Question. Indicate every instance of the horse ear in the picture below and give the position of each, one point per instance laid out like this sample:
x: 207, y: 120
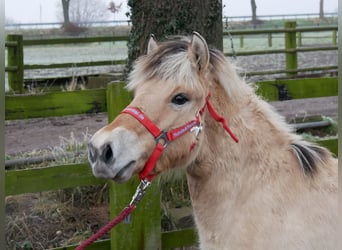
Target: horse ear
x: 199, y: 50
x: 152, y: 44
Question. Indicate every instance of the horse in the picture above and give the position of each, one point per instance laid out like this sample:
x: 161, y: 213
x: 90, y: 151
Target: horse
x: 253, y: 182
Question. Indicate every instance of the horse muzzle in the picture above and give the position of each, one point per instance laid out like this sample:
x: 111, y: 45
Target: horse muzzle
x: 114, y: 154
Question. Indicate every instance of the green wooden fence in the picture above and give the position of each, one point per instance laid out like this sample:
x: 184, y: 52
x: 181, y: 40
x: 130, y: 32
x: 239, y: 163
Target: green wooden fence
x: 144, y: 231
x: 16, y: 67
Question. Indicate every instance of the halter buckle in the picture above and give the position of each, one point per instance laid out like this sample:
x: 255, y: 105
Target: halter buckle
x: 197, y: 129
x: 163, y: 139
x: 140, y: 192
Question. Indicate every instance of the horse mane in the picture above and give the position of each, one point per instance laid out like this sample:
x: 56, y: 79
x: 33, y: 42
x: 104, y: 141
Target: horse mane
x: 309, y: 156
x: 170, y: 64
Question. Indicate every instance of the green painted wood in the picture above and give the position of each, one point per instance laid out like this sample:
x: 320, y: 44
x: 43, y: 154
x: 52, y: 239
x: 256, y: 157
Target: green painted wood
x: 75, y: 64
x: 299, y: 88
x: 269, y: 39
x: 279, y: 71
x: 55, y: 104
x: 311, y: 49
x: 280, y: 51
x: 118, y: 98
x: 181, y: 238
x: 49, y: 178
x: 238, y: 32
x: 334, y: 37
x: 11, y: 69
x: 290, y: 43
x: 15, y: 58
x: 144, y: 230
x: 331, y: 144
x: 98, y: 245
x: 71, y: 40
x: 299, y: 37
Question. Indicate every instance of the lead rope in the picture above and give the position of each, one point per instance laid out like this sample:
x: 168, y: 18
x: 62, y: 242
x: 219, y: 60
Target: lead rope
x: 138, y: 195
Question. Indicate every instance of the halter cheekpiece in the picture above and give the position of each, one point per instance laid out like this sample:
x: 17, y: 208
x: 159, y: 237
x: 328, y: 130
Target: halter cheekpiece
x: 163, y: 138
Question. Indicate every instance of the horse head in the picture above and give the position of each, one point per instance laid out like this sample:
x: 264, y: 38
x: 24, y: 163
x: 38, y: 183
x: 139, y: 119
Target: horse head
x: 162, y: 124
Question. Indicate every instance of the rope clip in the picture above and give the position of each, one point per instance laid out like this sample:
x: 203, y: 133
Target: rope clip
x: 140, y: 192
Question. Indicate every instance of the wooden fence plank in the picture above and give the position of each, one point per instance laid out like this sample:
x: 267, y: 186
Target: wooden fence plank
x: 181, y: 238
x: 299, y: 88
x: 49, y: 178
x: 98, y: 245
x: 291, y: 43
x: 71, y: 40
x: 145, y: 226
x: 75, y: 64
x: 93, y: 101
x: 55, y: 104
x: 331, y: 144
x: 15, y: 58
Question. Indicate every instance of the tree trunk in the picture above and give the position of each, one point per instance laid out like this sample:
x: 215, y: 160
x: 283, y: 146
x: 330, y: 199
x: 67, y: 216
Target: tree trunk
x: 173, y: 17
x: 321, y: 9
x: 254, y: 8
x: 65, y: 5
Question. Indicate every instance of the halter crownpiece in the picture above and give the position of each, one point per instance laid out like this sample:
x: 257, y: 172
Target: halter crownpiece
x: 163, y: 138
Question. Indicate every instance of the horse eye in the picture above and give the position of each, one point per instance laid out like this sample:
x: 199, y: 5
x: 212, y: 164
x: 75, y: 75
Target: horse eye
x: 179, y: 99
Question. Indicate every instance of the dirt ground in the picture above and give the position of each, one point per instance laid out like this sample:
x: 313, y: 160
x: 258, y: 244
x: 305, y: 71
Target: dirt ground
x: 37, y: 134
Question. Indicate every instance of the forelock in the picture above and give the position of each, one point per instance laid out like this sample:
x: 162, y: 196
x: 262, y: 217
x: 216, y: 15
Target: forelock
x: 170, y: 62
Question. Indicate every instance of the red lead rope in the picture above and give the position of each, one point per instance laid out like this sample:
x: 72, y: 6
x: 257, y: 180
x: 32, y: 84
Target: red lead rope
x: 124, y: 213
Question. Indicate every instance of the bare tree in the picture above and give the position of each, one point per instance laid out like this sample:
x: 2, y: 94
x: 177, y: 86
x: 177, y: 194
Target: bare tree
x: 83, y: 12
x: 321, y: 9
x: 254, y: 8
x: 113, y: 7
x: 66, y: 18
x: 173, y: 17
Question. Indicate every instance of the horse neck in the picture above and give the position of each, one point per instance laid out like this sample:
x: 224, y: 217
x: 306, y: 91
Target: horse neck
x: 235, y: 166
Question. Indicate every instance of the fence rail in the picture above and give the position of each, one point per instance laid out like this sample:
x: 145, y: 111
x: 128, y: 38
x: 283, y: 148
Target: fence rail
x: 16, y: 66
x: 145, y: 228
x: 127, y: 21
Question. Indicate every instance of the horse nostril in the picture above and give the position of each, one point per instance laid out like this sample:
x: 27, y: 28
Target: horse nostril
x: 107, y: 154
x: 92, y: 153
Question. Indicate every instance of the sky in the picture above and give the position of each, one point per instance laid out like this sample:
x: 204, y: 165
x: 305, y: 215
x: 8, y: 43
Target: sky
x: 37, y: 11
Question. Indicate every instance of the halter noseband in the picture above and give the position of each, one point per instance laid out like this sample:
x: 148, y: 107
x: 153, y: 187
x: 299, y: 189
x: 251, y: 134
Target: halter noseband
x: 163, y: 138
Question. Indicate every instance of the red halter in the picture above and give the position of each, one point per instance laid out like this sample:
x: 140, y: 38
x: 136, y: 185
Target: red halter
x: 163, y: 138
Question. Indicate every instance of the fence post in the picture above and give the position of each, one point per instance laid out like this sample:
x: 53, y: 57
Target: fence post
x: 334, y: 37
x: 269, y: 39
x: 144, y: 229
x: 299, y: 39
x: 15, y: 60
x: 241, y: 41
x: 291, y: 47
